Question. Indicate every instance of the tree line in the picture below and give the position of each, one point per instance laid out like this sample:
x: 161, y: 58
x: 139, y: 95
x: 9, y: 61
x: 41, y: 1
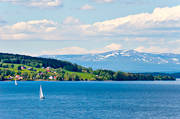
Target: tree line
x: 62, y: 70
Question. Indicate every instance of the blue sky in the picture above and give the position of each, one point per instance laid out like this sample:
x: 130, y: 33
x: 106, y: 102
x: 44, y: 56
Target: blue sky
x: 37, y: 27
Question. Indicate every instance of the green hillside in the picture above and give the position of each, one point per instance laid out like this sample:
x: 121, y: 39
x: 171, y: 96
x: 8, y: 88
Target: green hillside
x: 21, y: 67
x: 39, y: 62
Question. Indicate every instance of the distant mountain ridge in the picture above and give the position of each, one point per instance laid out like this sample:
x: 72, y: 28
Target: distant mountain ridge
x: 22, y: 67
x: 126, y: 60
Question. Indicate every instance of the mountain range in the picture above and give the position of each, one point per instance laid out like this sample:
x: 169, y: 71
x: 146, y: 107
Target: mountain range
x: 126, y: 60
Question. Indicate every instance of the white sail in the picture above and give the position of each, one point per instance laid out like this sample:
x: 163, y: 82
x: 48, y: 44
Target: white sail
x: 41, y: 93
x: 15, y: 82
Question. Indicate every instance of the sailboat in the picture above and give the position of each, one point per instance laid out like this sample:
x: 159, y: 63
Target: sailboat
x: 41, y: 93
x: 15, y: 82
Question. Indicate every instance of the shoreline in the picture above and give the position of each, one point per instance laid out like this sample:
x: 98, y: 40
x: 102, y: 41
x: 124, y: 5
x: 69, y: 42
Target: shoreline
x: 84, y: 80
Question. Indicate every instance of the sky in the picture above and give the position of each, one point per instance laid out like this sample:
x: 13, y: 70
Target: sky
x: 55, y: 27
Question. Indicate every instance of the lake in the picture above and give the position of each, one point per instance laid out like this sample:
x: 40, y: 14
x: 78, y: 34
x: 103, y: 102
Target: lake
x: 91, y: 100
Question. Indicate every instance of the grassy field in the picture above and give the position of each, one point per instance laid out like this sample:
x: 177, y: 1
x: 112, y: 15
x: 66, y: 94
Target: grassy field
x: 81, y: 75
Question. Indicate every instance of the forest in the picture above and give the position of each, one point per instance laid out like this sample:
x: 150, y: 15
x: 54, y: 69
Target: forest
x: 21, y: 67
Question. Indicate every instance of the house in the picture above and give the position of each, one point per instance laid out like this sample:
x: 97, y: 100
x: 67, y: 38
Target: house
x: 18, y: 77
x: 48, y: 69
x: 51, y: 77
x: 23, y: 67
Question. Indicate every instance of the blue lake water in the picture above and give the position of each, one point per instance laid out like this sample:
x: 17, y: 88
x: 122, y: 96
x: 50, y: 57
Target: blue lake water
x: 91, y: 100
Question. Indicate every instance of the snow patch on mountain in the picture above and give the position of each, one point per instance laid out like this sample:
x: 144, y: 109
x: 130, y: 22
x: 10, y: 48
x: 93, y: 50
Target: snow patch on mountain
x: 128, y: 60
x: 175, y: 59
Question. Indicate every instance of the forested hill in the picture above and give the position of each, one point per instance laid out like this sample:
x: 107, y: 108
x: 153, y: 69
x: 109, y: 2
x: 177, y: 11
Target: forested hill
x: 39, y: 62
x: 21, y: 67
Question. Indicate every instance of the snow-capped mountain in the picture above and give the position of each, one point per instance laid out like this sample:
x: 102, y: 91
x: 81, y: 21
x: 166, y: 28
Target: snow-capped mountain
x: 126, y: 60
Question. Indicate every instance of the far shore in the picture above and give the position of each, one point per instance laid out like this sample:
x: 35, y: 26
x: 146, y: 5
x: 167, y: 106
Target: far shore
x: 86, y: 80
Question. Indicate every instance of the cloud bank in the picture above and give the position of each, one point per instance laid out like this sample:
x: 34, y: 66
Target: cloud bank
x: 36, y: 3
x: 161, y: 23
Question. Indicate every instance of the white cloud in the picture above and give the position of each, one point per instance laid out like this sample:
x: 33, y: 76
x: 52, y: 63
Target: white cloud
x: 70, y: 21
x: 104, y: 1
x: 157, y: 49
x: 36, y: 3
x: 43, y: 29
x: 79, y: 50
x: 37, y: 29
x: 34, y: 26
x: 87, y: 7
x: 46, y: 3
x: 113, y: 46
x: 15, y: 36
x: 151, y: 49
x: 160, y: 21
